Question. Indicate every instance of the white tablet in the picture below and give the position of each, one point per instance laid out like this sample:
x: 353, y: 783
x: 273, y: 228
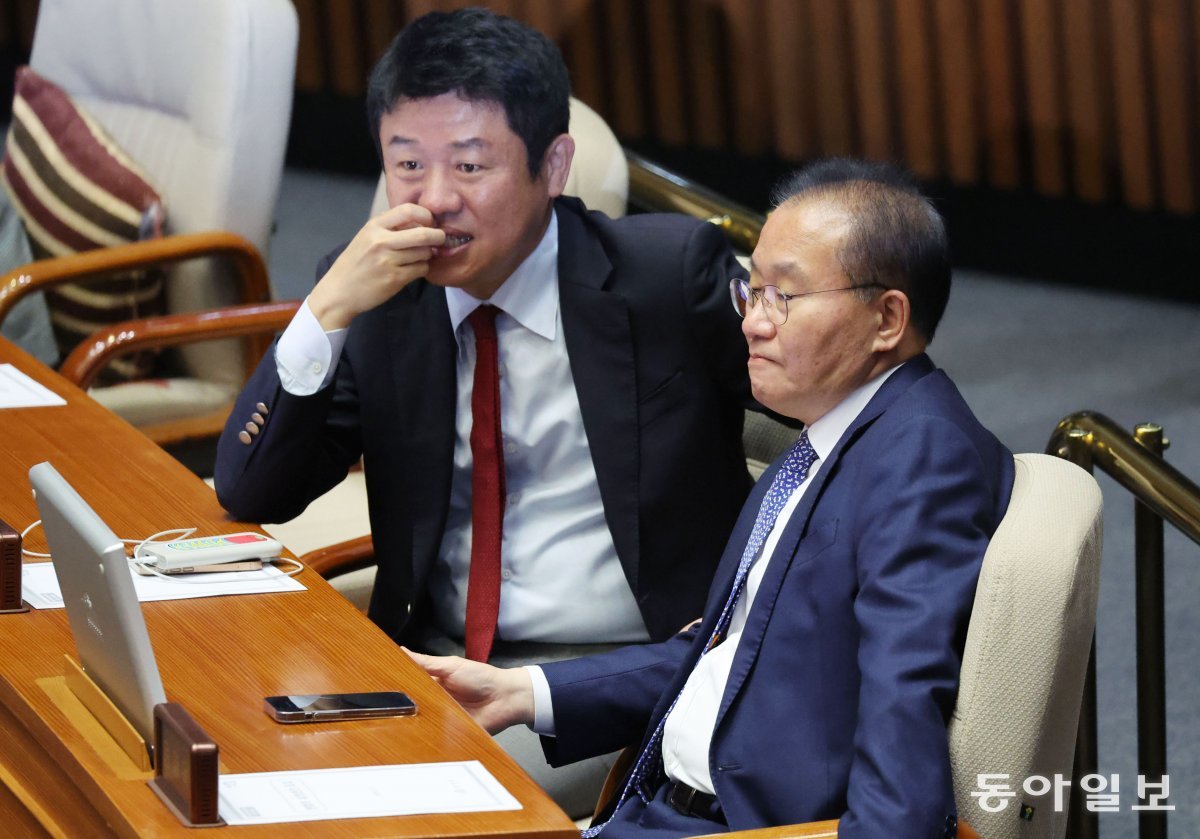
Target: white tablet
x: 102, y: 606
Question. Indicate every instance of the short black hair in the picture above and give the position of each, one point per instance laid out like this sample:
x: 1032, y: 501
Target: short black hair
x: 482, y: 57
x: 897, y: 238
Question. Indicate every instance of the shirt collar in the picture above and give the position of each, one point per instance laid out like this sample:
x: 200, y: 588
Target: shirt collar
x: 825, y: 432
x: 529, y: 295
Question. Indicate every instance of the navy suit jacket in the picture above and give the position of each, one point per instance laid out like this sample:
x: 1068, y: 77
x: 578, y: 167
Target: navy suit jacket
x: 659, y: 364
x: 846, y: 674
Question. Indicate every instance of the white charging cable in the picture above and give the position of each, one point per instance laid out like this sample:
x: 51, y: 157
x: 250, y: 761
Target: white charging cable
x: 177, y: 533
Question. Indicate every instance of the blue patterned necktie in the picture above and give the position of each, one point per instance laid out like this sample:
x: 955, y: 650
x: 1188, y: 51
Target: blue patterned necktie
x: 787, y: 480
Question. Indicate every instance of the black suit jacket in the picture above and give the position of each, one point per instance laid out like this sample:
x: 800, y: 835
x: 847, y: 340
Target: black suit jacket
x: 659, y: 364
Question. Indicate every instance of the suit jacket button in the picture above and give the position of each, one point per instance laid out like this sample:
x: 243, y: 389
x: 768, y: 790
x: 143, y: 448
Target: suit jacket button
x: 245, y: 437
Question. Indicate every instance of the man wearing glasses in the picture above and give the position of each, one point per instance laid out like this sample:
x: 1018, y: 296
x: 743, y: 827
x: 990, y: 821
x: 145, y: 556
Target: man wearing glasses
x: 820, y: 680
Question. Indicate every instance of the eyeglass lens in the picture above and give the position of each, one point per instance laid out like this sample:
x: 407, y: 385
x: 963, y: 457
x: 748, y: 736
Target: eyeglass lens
x: 744, y: 298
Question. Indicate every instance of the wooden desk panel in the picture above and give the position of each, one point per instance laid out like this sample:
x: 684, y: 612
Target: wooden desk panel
x: 218, y: 657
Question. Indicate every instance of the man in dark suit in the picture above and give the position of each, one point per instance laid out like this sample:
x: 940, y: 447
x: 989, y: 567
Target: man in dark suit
x: 526, y: 382
x: 820, y: 681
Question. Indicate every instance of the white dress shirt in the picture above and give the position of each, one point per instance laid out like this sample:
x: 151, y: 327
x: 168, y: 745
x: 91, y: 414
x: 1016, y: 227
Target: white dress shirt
x: 561, y: 581
x: 687, y: 736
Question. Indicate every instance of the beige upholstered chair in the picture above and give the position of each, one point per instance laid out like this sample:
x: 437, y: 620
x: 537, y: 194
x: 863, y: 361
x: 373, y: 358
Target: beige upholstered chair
x: 1026, y: 652
x: 1028, y: 644
x: 199, y: 95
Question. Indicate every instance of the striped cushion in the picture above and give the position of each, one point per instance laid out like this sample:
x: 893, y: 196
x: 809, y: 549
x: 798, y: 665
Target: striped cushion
x: 75, y: 190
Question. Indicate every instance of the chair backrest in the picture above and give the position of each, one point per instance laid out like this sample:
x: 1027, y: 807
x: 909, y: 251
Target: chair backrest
x: 599, y: 172
x: 199, y: 94
x: 1027, y: 646
x: 764, y: 440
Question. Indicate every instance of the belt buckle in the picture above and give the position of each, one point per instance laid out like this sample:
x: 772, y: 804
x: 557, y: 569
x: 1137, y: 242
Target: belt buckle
x: 683, y: 797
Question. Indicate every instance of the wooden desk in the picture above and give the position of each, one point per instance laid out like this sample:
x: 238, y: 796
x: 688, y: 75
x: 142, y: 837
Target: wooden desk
x: 218, y: 656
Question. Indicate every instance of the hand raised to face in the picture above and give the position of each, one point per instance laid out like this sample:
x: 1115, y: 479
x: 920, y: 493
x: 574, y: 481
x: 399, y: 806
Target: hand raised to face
x: 389, y: 252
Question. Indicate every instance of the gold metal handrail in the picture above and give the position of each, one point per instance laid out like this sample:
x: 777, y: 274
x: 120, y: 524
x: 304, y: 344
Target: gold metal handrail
x: 1156, y: 483
x: 1162, y: 493
x: 652, y: 187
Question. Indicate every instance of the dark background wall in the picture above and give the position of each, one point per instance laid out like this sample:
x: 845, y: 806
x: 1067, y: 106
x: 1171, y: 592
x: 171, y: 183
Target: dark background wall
x: 1059, y: 136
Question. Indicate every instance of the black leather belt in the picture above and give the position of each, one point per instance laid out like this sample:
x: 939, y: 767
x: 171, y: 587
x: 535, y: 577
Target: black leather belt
x: 691, y: 802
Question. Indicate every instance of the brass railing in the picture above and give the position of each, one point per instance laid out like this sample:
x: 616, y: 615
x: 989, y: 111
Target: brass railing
x: 652, y: 187
x: 1161, y: 493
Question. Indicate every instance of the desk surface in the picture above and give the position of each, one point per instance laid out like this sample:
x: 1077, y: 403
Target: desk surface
x: 218, y: 657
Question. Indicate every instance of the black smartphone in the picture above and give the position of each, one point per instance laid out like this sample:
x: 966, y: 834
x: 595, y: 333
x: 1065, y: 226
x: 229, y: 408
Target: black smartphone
x: 339, y: 706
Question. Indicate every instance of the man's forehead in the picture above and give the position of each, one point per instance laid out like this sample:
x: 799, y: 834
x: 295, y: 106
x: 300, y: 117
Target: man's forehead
x: 447, y: 112
x: 795, y: 233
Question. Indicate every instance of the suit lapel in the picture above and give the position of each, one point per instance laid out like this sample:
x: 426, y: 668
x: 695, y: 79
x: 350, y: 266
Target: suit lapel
x: 424, y: 352
x: 599, y: 341
x: 791, y: 546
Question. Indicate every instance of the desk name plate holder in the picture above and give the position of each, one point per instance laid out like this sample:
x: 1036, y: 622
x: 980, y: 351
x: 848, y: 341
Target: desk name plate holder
x: 186, y: 767
x: 10, y: 571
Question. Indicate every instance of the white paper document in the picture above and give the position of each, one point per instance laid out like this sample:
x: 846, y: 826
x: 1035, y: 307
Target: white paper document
x: 19, y: 391
x: 362, y: 792
x: 39, y: 585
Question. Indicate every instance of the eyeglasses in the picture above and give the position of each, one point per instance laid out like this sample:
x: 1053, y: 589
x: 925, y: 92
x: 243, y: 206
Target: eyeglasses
x: 775, y: 301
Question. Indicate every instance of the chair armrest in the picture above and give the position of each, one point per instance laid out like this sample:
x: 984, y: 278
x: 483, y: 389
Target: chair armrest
x: 810, y: 830
x: 87, y: 360
x: 43, y: 273
x: 341, y: 558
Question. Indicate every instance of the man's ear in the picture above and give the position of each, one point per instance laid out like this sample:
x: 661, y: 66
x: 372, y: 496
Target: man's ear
x: 894, y: 312
x: 556, y: 164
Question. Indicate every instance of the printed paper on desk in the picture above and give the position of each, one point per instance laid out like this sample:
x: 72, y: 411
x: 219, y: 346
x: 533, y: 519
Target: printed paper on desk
x: 39, y: 585
x: 20, y: 391
x: 362, y: 792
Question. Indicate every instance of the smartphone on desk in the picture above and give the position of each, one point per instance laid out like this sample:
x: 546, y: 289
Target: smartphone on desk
x: 328, y: 707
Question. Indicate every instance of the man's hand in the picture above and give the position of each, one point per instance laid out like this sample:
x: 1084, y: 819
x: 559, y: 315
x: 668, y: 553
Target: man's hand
x: 494, y: 697
x: 389, y: 252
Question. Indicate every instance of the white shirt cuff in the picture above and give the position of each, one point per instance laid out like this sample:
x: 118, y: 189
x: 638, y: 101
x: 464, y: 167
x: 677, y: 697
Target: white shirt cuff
x: 543, y: 707
x: 303, y: 356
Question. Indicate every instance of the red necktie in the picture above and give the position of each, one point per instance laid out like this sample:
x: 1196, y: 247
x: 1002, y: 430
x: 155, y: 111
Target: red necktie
x: 487, y: 488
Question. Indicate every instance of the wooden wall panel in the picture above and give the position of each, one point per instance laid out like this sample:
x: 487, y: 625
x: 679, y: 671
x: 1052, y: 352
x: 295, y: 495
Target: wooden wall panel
x: 1173, y: 94
x: 998, y: 92
x: 310, y: 51
x: 1039, y: 54
x: 912, y: 31
x: 1088, y: 115
x: 705, y: 64
x: 791, y: 80
x: 834, y: 92
x: 582, y: 51
x: 623, y: 70
x: 670, y: 122
x: 750, y: 109
x: 874, y: 92
x: 382, y: 20
x: 347, y: 56
x: 1095, y: 100
x: 957, y: 82
x: 1131, y: 97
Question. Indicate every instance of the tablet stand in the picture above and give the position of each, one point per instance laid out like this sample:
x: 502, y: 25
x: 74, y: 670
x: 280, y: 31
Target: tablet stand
x: 107, y: 714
